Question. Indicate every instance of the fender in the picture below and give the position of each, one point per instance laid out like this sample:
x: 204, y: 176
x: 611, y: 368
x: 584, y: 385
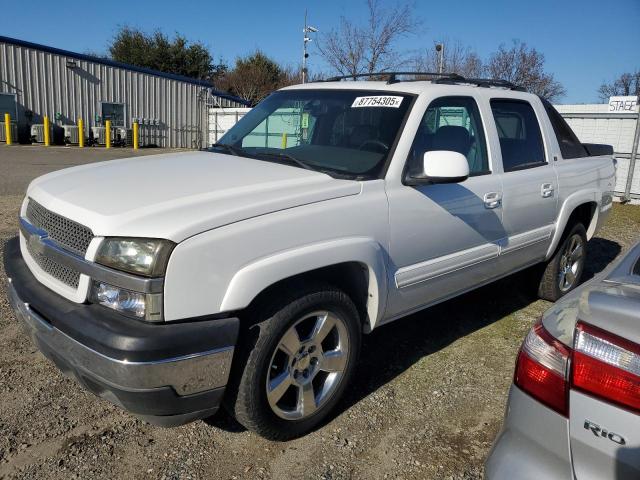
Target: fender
x: 253, y: 278
x: 567, y: 208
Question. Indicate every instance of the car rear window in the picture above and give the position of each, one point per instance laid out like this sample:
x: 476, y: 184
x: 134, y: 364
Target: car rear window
x: 636, y: 269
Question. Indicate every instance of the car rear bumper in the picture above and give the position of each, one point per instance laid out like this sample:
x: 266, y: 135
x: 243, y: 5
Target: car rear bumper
x: 167, y: 374
x: 533, y: 443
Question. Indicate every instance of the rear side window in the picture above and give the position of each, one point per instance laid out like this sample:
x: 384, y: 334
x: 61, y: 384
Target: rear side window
x: 570, y: 146
x: 519, y: 132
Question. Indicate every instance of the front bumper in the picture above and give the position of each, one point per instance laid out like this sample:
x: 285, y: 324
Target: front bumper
x: 168, y: 373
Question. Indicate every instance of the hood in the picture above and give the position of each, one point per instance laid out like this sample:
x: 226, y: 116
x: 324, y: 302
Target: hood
x: 178, y: 195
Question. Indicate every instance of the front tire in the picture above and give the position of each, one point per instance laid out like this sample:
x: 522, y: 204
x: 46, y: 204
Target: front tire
x: 564, y: 270
x: 297, y: 366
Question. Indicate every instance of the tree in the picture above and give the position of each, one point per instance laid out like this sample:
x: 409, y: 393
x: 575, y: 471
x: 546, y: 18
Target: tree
x: 158, y: 52
x: 370, y: 47
x: 255, y: 76
x: 625, y: 84
x: 457, y: 59
x: 524, y: 66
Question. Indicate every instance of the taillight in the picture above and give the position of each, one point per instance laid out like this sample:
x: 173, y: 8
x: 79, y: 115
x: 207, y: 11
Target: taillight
x: 541, y: 369
x: 606, y: 366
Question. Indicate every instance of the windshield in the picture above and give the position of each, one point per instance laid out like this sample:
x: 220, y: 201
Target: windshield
x: 344, y: 132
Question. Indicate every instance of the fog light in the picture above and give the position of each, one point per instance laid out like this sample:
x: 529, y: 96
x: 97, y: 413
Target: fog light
x: 134, y: 304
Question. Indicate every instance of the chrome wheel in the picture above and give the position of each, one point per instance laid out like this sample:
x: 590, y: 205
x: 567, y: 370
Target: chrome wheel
x: 307, y: 365
x: 571, y: 263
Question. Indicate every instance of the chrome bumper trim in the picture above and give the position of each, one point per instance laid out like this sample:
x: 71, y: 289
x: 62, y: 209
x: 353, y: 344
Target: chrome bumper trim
x: 40, y: 242
x: 186, y: 374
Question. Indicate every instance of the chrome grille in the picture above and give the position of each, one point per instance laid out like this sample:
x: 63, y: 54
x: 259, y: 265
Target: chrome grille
x: 64, y: 274
x: 66, y: 233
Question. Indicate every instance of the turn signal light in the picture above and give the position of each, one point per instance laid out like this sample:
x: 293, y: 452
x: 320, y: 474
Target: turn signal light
x: 541, y: 369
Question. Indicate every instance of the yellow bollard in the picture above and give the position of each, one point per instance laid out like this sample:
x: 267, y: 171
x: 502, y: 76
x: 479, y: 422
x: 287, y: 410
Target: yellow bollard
x: 47, y: 136
x: 136, y: 140
x: 284, y: 140
x: 7, y: 127
x: 107, y: 133
x: 80, y: 133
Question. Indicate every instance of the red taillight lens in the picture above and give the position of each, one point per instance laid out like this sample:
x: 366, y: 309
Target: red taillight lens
x: 606, y: 366
x: 541, y: 369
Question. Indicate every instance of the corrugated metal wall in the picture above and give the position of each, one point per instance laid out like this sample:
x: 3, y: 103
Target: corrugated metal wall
x: 593, y: 123
x: 45, y: 85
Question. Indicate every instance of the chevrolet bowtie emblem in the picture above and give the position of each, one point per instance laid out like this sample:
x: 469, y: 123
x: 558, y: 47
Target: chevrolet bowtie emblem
x: 35, y: 242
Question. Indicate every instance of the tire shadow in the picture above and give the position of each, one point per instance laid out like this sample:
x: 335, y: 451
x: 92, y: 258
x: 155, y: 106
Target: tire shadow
x: 600, y: 253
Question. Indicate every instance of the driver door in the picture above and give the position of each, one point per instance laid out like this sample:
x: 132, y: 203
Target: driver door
x: 444, y: 237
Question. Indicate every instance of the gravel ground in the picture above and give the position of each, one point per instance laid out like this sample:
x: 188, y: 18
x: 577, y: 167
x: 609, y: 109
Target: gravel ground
x: 428, y: 399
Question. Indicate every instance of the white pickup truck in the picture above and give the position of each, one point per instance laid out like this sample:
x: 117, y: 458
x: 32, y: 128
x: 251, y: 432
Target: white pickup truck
x: 245, y: 275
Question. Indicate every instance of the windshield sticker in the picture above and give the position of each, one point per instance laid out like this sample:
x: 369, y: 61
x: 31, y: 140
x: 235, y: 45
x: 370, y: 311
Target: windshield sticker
x: 377, y: 101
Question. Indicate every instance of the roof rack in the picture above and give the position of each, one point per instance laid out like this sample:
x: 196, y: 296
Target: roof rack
x: 442, y: 78
x: 392, y: 76
x: 483, y: 82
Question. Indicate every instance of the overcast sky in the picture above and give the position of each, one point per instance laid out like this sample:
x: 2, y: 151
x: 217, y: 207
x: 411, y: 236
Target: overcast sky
x: 585, y: 42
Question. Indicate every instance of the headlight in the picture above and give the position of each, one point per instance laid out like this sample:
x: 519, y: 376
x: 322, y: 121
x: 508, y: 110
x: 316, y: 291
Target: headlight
x: 142, y: 256
x: 133, y: 304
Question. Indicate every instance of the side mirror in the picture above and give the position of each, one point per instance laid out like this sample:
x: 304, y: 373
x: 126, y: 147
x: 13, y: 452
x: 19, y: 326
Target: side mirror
x: 443, y: 166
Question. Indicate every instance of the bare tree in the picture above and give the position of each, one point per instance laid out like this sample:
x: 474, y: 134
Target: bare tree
x: 524, y: 66
x: 353, y: 48
x: 458, y: 59
x: 625, y: 84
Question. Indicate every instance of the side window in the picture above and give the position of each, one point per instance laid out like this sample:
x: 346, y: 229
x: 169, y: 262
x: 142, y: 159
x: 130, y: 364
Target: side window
x: 452, y: 123
x: 519, y: 133
x: 570, y: 146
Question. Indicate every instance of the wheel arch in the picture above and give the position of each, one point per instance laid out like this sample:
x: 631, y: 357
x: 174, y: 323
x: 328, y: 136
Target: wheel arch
x: 580, y: 207
x: 355, y: 265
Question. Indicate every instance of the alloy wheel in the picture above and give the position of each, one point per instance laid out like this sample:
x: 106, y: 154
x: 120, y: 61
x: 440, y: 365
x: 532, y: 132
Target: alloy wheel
x: 571, y: 263
x: 307, y: 365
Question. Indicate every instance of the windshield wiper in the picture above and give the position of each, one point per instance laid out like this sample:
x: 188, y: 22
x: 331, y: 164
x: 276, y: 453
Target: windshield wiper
x: 229, y: 148
x: 289, y: 157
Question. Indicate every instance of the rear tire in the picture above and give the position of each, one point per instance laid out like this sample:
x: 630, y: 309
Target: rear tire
x: 563, y: 271
x: 298, y: 357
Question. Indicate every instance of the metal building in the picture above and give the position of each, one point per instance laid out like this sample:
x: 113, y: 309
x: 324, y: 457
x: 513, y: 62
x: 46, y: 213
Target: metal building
x: 36, y: 80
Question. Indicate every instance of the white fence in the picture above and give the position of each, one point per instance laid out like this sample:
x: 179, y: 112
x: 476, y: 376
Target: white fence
x: 221, y: 120
x: 592, y: 123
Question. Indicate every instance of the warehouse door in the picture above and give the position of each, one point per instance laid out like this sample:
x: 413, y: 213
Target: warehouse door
x: 8, y: 104
x: 113, y: 112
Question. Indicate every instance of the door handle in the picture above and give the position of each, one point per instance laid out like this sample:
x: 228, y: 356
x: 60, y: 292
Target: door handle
x: 492, y: 199
x: 546, y: 190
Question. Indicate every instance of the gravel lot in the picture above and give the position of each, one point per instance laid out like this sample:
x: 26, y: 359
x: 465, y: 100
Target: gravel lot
x: 428, y: 399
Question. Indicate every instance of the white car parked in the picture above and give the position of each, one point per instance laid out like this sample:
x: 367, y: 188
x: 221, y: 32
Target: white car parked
x: 247, y: 273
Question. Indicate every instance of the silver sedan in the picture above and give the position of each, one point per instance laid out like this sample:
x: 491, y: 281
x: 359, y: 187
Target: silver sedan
x: 574, y: 406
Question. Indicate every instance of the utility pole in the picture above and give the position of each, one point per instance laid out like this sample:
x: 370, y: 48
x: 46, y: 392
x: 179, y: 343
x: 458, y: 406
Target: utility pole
x: 440, y: 50
x: 632, y: 159
x: 306, y: 39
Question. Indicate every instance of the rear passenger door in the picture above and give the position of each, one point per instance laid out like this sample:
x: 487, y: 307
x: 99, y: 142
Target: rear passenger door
x: 529, y: 182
